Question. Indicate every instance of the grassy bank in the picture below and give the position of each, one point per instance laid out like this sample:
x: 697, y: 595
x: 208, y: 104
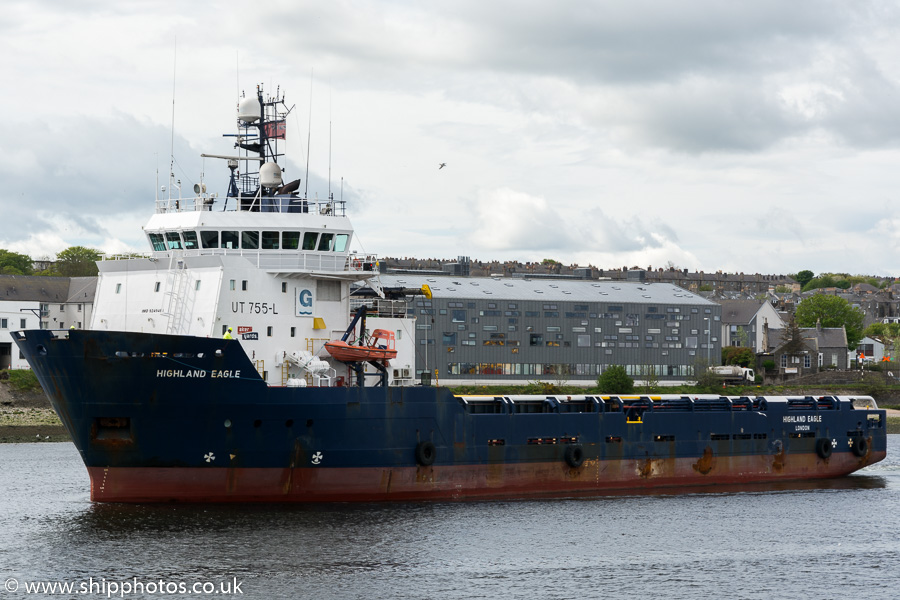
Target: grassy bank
x: 893, y: 424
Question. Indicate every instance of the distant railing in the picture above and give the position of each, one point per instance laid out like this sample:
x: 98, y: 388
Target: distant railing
x: 266, y: 204
x: 379, y: 307
x: 278, y: 260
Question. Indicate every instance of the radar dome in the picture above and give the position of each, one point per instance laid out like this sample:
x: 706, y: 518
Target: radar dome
x: 270, y: 175
x: 248, y: 110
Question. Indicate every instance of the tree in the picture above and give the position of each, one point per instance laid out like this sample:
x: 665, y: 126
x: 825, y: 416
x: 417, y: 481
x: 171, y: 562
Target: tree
x: 77, y: 261
x: 832, y: 311
x: 804, y: 277
x: 742, y: 356
x: 742, y: 337
x: 614, y: 380
x: 13, y: 263
x: 650, y: 376
x: 792, y: 338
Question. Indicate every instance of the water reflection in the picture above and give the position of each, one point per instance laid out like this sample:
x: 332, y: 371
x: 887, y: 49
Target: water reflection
x: 711, y: 541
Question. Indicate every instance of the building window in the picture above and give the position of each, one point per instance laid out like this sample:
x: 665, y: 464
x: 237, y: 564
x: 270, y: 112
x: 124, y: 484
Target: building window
x: 196, y: 284
x: 807, y: 362
x: 269, y: 331
x: 4, y: 324
x: 284, y: 287
x: 244, y: 285
x: 783, y: 361
x: 293, y: 331
x: 118, y: 289
x: 231, y: 284
x: 79, y: 308
x: 584, y: 341
x: 156, y: 287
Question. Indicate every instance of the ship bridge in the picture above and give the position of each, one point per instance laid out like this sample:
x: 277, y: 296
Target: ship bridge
x: 283, y: 235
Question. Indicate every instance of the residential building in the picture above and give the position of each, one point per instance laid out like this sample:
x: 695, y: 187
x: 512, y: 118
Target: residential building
x: 742, y: 322
x: 30, y: 302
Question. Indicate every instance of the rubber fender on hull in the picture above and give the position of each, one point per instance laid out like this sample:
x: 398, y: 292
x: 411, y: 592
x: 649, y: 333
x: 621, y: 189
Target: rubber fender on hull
x: 425, y: 453
x: 824, y: 448
x: 860, y: 447
x: 574, y: 455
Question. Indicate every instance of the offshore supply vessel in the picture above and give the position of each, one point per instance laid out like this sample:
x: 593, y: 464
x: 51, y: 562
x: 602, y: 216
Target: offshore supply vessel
x: 225, y: 367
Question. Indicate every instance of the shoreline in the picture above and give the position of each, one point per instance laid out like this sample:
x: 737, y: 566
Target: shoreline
x: 20, y: 434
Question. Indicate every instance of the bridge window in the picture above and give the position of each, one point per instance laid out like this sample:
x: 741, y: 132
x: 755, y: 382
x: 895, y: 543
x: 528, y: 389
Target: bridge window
x: 158, y: 242
x: 173, y: 240
x: 326, y: 241
x: 250, y: 240
x: 270, y: 240
x: 230, y: 240
x: 209, y: 239
x: 190, y: 240
x: 290, y: 240
x: 340, y: 242
x: 309, y: 240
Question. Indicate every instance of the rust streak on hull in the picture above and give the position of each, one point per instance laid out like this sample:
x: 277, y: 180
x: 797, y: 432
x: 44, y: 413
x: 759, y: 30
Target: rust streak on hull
x: 318, y: 484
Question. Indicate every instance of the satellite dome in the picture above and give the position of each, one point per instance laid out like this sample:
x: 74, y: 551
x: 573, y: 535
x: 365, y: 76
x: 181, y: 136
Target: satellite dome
x: 270, y: 175
x: 248, y: 110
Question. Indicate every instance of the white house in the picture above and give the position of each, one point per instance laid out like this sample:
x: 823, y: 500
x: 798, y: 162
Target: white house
x: 28, y: 302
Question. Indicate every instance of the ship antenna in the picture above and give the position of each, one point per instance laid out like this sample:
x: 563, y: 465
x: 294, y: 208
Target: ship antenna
x: 329, y: 160
x: 329, y: 144
x: 172, y: 142
x: 308, y: 135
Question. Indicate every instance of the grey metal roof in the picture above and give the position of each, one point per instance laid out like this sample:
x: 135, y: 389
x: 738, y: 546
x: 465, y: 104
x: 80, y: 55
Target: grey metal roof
x: 34, y: 288
x: 82, y: 289
x: 40, y: 288
x: 739, y: 311
x: 559, y: 290
x: 826, y: 337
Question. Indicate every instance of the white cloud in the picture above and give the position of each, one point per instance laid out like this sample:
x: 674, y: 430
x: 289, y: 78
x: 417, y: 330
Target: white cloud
x: 750, y: 137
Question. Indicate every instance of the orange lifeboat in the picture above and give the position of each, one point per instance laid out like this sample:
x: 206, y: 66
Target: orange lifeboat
x: 380, y: 347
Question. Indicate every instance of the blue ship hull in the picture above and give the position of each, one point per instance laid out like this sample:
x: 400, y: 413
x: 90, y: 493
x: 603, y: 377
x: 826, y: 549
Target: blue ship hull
x: 181, y: 418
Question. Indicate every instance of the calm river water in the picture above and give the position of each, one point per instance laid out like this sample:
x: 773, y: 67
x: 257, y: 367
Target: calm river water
x: 833, y: 539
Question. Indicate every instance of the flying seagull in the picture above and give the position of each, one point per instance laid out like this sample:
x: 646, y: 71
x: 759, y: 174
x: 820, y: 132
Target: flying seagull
x: 441, y: 166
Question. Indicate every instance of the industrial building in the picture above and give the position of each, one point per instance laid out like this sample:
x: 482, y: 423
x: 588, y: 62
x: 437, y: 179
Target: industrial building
x: 481, y: 330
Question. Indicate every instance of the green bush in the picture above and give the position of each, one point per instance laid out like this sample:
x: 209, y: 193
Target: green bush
x: 614, y: 380
x: 22, y: 379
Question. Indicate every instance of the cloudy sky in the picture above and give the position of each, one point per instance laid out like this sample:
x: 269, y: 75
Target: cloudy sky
x: 749, y: 137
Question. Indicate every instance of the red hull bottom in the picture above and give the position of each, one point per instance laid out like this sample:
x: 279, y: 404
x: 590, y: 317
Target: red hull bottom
x: 535, y: 480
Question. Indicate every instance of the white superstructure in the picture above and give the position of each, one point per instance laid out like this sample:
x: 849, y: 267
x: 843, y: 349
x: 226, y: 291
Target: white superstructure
x: 272, y: 266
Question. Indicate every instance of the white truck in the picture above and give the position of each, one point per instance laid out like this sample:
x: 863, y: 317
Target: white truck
x: 733, y: 374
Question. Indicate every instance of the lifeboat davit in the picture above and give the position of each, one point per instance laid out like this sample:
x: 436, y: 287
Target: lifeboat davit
x: 379, y: 348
